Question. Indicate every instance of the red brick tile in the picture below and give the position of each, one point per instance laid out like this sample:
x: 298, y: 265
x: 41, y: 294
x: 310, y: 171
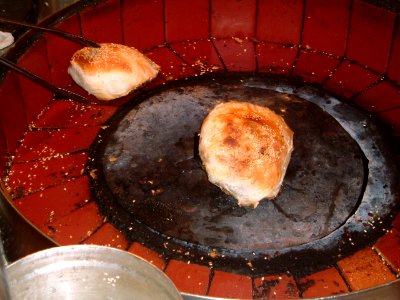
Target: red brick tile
x: 238, y: 19
x: 201, y: 55
x: 314, y: 66
x: 25, y: 178
x: 274, y: 58
x: 229, y: 285
x: 389, y: 247
x: 12, y: 112
x: 370, y: 35
x: 365, y: 269
x: 188, y: 278
x: 35, y: 96
x: 60, y: 50
x: 394, y: 62
x: 326, y: 25
x: 238, y: 55
x: 64, y: 114
x: 53, y: 203
x: 186, y: 20
x: 324, y: 283
x: 102, y: 23
x: 143, y: 23
x: 392, y: 119
x: 46, y: 143
x: 382, y: 96
x: 147, y: 254
x: 276, y: 287
x: 279, y: 21
x: 75, y: 227
x: 108, y: 235
x: 3, y: 153
x: 350, y: 79
x: 172, y: 67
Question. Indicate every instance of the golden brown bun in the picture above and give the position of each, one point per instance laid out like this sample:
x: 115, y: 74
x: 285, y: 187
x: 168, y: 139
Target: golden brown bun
x: 111, y: 71
x: 245, y: 149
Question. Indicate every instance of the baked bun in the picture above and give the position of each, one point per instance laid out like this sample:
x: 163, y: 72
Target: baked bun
x: 245, y: 149
x: 111, y: 71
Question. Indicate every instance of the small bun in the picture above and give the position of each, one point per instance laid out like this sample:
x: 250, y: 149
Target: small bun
x: 245, y: 149
x: 111, y: 71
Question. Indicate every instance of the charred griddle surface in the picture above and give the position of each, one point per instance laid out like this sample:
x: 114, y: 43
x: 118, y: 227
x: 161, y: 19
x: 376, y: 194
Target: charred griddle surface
x: 151, y: 177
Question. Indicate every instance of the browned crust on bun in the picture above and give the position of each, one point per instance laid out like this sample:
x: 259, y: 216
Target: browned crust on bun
x: 245, y: 149
x: 111, y: 71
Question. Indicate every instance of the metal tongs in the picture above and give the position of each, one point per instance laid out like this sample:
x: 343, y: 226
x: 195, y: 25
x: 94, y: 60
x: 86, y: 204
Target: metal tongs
x: 47, y: 85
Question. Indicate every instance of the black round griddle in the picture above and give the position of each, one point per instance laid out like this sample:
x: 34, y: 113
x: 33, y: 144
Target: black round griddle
x: 152, y: 185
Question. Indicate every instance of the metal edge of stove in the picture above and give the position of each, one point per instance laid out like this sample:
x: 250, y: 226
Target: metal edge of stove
x: 389, y: 291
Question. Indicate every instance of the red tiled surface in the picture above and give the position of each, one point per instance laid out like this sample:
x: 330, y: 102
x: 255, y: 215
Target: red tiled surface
x: 46, y: 143
x: 394, y: 62
x: 279, y: 21
x: 276, y: 287
x: 389, y: 247
x: 314, y: 66
x: 275, y: 58
x: 102, y: 23
x: 12, y: 112
x: 229, y: 285
x: 60, y: 51
x: 147, y: 254
x: 188, y: 278
x: 201, y: 55
x: 324, y: 283
x: 53, y: 203
x: 392, y: 118
x: 143, y: 23
x: 326, y: 25
x: 64, y: 114
x: 222, y: 16
x: 365, y: 269
x: 382, y: 96
x: 75, y: 227
x: 35, y: 97
x: 172, y: 67
x: 350, y: 79
x: 238, y: 55
x: 3, y: 153
x: 32, y: 176
x: 186, y: 20
x: 370, y: 35
x: 108, y: 235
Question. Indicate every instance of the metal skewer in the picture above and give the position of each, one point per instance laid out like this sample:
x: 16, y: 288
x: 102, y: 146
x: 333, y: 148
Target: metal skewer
x: 63, y: 34
x: 57, y: 90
